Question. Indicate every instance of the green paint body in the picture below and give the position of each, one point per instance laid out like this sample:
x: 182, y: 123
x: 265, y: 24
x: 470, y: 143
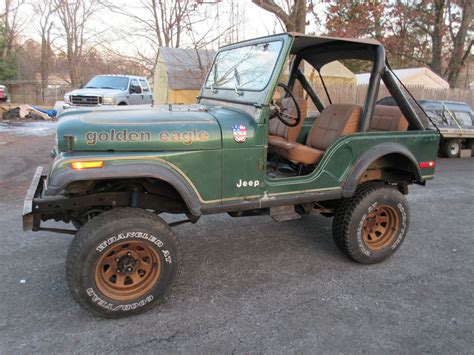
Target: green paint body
x: 198, y: 142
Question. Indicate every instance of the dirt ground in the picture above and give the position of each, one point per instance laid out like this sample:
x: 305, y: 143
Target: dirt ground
x: 251, y: 284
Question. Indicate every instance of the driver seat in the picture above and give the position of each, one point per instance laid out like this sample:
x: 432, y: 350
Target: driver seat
x: 279, y: 133
x: 335, y: 121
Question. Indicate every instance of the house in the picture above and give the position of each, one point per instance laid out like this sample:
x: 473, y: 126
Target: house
x: 422, y: 77
x: 179, y: 74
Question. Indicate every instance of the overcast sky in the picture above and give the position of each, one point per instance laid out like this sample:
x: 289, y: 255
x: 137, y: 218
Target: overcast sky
x: 110, y: 27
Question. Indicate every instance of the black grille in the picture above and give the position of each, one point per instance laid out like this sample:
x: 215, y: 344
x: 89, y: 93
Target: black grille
x: 80, y: 100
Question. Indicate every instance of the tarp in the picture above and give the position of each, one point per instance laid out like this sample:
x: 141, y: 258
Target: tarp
x: 27, y: 112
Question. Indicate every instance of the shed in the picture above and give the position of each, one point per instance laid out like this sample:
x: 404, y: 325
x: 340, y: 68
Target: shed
x: 333, y: 73
x: 423, y: 77
x: 179, y: 74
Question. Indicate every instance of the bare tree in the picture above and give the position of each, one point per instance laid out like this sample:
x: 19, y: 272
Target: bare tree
x: 12, y: 24
x: 166, y: 20
x: 45, y: 11
x: 173, y: 23
x: 74, y: 16
x: 462, y: 44
x: 291, y: 13
x: 448, y: 25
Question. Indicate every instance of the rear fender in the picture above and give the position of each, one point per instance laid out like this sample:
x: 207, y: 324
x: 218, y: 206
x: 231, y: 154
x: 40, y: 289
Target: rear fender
x: 372, y: 155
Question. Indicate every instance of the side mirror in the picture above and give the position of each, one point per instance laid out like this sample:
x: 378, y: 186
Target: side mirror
x: 81, y: 86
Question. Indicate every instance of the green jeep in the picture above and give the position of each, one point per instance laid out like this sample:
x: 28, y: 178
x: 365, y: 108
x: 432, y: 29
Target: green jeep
x: 244, y: 149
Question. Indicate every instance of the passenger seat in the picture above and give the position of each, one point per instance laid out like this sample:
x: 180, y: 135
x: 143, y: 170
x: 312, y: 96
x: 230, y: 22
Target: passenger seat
x: 388, y: 118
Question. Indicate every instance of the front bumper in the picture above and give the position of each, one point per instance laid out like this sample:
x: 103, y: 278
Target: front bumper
x: 31, y: 220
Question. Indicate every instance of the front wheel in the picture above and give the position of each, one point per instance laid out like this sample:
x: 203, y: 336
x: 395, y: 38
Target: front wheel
x: 122, y: 262
x: 371, y: 225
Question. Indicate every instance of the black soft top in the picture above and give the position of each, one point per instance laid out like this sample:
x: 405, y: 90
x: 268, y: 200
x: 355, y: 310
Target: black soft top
x: 320, y: 50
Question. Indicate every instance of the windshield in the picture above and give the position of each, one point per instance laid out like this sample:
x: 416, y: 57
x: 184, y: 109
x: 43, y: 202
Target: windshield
x: 108, y: 82
x: 244, y: 68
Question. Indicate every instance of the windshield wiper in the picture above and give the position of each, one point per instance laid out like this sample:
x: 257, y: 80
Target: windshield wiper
x: 108, y: 87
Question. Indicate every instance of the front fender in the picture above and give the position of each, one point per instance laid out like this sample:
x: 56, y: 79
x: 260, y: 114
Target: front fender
x: 365, y: 160
x: 62, y: 175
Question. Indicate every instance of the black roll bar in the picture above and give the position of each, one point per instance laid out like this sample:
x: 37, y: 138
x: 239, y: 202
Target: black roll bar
x: 309, y: 89
x: 401, y: 100
x: 373, y: 90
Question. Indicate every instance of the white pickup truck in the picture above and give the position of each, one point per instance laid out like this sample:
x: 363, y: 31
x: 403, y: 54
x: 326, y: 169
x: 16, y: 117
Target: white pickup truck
x: 111, y: 90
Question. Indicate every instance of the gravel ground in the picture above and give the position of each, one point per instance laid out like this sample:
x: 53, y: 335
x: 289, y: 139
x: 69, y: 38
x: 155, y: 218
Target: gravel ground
x: 251, y: 284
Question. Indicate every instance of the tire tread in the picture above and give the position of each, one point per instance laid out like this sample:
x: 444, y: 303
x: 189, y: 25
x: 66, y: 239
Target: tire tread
x: 342, y: 218
x: 85, y: 232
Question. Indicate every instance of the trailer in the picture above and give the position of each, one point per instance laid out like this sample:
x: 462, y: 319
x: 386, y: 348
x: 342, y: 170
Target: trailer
x: 453, y: 140
x: 454, y: 121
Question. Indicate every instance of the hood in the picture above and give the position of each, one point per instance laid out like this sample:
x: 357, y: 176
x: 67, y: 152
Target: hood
x: 95, y: 92
x: 161, y: 128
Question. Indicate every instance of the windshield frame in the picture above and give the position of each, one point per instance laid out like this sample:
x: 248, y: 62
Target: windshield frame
x: 225, y: 49
x: 248, y: 97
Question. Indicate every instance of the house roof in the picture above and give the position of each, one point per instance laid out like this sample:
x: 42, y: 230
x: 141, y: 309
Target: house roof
x: 405, y: 75
x: 186, y: 68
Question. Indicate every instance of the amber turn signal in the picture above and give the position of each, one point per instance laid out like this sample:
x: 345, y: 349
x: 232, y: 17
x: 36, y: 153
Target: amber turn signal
x: 79, y: 165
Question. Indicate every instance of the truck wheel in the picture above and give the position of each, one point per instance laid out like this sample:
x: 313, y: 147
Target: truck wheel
x: 452, y: 148
x: 123, y: 262
x: 371, y: 225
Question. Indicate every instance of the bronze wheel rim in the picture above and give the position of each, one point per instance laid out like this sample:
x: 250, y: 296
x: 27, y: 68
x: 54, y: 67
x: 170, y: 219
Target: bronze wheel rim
x: 381, y: 227
x: 127, y: 270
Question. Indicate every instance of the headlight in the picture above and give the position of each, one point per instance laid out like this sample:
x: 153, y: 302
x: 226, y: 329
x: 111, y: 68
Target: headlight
x: 108, y: 101
x: 66, y: 99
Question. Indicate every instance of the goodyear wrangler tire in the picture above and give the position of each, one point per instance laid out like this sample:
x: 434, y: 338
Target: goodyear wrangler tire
x: 370, y: 226
x: 123, y: 262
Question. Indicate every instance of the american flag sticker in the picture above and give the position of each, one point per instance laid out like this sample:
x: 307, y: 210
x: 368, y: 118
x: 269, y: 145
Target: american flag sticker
x: 240, y: 133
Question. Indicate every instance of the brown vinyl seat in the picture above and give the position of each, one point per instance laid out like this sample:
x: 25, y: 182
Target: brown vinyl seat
x: 278, y: 133
x: 387, y: 118
x: 334, y: 121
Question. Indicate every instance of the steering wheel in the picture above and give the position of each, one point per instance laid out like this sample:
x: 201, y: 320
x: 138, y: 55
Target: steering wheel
x: 286, y: 118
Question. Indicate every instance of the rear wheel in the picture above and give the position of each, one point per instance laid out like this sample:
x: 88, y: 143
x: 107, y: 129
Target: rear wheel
x: 370, y: 226
x: 451, y: 148
x: 122, y: 262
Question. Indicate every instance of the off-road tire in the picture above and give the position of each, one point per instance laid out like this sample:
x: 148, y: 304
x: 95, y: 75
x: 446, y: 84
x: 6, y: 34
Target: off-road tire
x: 122, y: 232
x: 350, y: 222
x: 451, y: 148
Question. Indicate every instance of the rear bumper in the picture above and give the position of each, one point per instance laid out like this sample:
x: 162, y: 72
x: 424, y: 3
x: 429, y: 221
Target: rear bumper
x: 30, y: 219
